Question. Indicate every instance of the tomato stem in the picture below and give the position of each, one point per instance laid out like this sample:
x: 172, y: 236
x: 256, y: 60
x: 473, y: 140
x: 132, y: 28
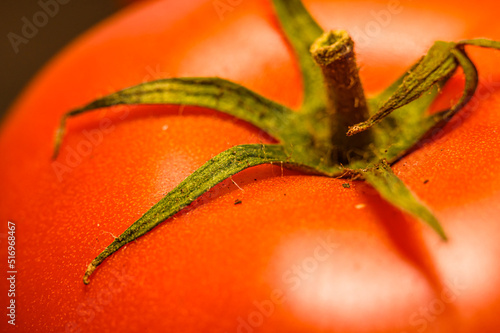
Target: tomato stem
x: 346, y: 101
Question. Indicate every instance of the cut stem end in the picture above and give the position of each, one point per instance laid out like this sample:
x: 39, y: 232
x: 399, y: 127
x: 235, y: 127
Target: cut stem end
x: 346, y: 101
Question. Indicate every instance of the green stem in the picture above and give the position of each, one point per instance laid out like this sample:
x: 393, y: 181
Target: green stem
x: 346, y: 106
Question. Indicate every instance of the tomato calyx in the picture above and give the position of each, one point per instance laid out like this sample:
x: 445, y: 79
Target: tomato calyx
x: 336, y: 132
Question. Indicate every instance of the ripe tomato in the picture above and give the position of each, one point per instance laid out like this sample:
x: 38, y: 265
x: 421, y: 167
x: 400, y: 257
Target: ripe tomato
x: 298, y: 253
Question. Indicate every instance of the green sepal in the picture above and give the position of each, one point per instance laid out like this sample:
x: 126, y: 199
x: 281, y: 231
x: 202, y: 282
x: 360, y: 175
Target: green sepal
x: 436, y: 67
x: 481, y: 42
x: 393, y: 190
x: 471, y: 84
x: 438, y: 64
x: 213, y: 93
x: 401, y: 130
x: 219, y: 168
x: 302, y: 31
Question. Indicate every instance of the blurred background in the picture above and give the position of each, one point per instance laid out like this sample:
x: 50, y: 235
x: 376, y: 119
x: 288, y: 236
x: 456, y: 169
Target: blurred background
x: 24, y: 50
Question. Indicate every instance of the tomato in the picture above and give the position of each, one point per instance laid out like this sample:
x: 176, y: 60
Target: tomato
x: 269, y: 250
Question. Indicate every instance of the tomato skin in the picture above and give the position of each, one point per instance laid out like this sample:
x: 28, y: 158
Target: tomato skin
x: 301, y: 253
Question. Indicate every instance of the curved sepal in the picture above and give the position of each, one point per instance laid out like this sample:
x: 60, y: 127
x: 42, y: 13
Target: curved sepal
x: 210, y: 174
x: 302, y: 31
x: 214, y: 93
x: 392, y: 189
x: 481, y: 42
x: 471, y: 84
x: 437, y: 65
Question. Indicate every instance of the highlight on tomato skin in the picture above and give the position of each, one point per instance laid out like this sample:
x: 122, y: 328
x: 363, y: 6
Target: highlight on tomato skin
x: 300, y: 253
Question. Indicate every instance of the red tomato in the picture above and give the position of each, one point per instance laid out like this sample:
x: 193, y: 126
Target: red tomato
x: 300, y: 253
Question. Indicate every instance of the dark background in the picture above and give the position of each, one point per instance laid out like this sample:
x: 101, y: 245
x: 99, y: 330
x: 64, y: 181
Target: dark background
x: 73, y: 18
